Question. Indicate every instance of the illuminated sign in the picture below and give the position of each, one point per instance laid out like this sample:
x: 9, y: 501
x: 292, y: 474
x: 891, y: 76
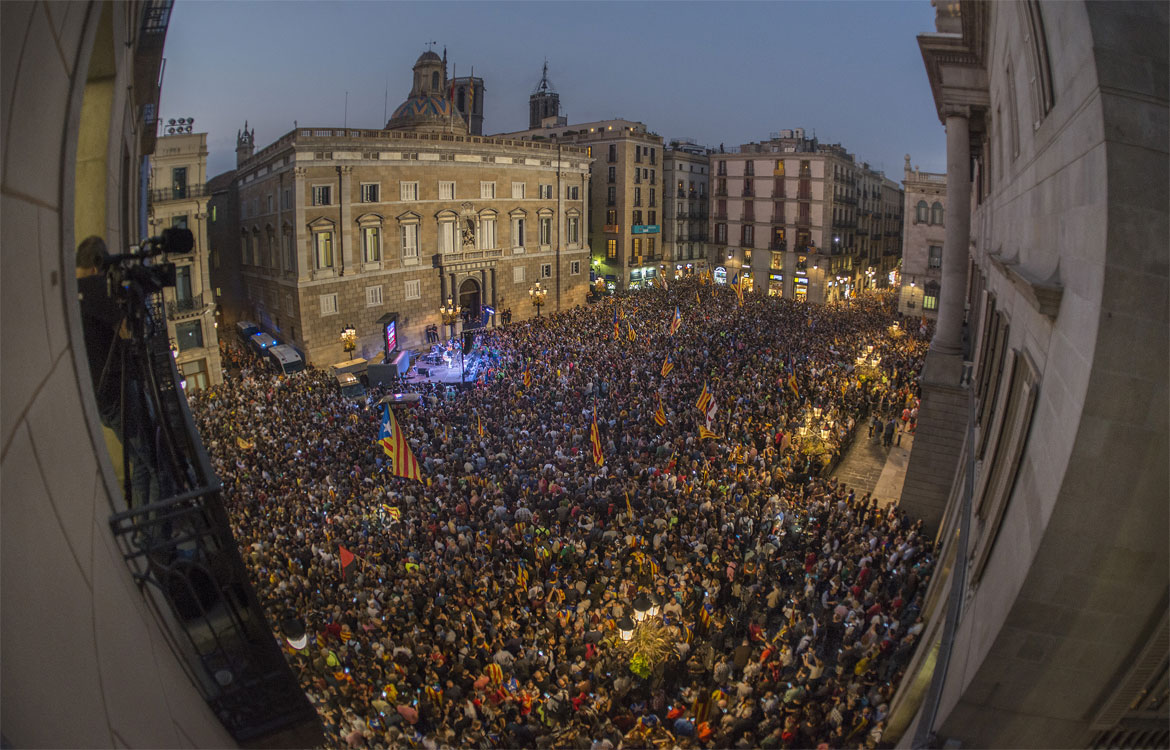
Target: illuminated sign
x: 776, y: 277
x: 644, y: 229
x: 391, y: 335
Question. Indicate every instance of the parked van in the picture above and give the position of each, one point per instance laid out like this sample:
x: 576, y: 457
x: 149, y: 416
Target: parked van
x: 245, y: 329
x: 350, y: 377
x: 260, y: 343
x: 285, y: 359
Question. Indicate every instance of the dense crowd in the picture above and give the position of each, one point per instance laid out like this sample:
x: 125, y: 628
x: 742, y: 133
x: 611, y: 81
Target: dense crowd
x: 483, y: 605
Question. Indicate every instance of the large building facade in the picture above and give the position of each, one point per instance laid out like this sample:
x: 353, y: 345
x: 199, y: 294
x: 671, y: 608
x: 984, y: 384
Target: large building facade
x: 179, y: 198
x: 625, y: 204
x: 801, y: 219
x: 341, y: 227
x: 1040, y: 460
x: 925, y: 230
x: 686, y: 178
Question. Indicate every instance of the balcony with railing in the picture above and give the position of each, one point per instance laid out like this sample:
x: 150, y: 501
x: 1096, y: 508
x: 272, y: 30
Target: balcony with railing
x: 611, y: 228
x: 185, y: 307
x: 186, y: 192
x: 183, y: 558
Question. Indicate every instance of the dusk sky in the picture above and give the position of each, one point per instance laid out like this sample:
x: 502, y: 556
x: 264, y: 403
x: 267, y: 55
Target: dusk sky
x: 726, y: 72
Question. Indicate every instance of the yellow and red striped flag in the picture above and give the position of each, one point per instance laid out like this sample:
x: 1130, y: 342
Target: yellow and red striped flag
x: 660, y: 414
x: 479, y: 425
x: 630, y: 331
x: 595, y: 438
x: 667, y: 365
x: 527, y: 377
x: 704, y: 433
x: 394, y: 443
x: 704, y: 399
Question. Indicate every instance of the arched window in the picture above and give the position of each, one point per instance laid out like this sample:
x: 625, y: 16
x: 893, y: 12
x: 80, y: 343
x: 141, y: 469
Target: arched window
x: 936, y: 213
x: 245, y: 250
x: 408, y: 224
x: 370, y: 231
x: 485, y: 235
x: 448, y: 232
x: 321, y: 231
x: 435, y: 81
x: 922, y: 215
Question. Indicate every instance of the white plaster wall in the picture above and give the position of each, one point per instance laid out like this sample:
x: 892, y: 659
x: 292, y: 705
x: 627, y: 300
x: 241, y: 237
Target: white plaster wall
x: 82, y: 662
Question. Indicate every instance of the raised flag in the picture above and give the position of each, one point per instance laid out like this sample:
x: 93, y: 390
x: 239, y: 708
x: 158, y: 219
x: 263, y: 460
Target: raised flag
x: 704, y: 399
x: 245, y: 445
x: 659, y: 414
x: 667, y: 365
x: 527, y: 377
x: 479, y: 424
x: 704, y: 433
x: 347, y: 559
x: 735, y: 279
x: 394, y: 443
x: 595, y: 438
x: 665, y: 288
x: 676, y: 321
x: 711, y: 409
x: 792, y: 386
x: 629, y: 508
x: 630, y: 331
x: 393, y: 512
x: 697, y: 300
x: 617, y: 331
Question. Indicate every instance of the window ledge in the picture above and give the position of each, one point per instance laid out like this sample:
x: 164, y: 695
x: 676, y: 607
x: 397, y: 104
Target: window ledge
x: 410, y: 261
x: 1044, y: 295
x: 517, y: 251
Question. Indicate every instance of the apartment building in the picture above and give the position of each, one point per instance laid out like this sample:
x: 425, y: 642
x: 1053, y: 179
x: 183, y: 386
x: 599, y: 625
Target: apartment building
x: 785, y: 214
x: 625, y: 204
x: 178, y: 198
x: 686, y: 173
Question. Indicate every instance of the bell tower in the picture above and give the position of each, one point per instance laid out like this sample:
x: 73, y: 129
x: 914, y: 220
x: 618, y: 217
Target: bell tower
x: 245, y: 144
x: 544, y: 102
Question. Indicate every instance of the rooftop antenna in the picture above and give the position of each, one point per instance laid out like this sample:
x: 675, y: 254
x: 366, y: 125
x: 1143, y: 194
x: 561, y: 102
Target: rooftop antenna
x: 345, y: 116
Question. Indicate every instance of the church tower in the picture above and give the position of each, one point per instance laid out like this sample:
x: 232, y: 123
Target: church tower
x: 544, y: 102
x: 245, y: 144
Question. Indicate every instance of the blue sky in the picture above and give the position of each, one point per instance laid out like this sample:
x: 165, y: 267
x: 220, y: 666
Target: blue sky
x: 716, y: 72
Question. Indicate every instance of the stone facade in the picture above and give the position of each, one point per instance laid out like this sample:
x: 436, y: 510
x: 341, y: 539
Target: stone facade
x: 1053, y: 533
x: 921, y: 277
x: 627, y: 197
x: 179, y: 197
x: 686, y: 178
x: 340, y: 227
x: 802, y: 219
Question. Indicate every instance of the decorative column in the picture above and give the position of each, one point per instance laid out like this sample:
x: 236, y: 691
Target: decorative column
x: 948, y: 338
x: 942, y: 417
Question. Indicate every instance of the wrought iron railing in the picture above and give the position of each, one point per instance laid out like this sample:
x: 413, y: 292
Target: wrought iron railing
x: 185, y: 306
x: 186, y: 192
x: 182, y: 554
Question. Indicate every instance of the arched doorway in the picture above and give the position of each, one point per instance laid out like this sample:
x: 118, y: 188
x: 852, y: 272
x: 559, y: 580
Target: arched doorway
x: 469, y: 301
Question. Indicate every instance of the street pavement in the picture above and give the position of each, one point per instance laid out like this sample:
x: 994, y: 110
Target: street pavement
x: 868, y: 467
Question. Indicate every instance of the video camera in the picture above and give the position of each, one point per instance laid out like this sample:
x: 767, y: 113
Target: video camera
x: 133, y: 271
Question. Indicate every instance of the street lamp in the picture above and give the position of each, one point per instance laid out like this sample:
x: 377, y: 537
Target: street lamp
x: 642, y: 607
x: 450, y: 313
x: 348, y: 339
x: 537, y: 294
x: 625, y: 627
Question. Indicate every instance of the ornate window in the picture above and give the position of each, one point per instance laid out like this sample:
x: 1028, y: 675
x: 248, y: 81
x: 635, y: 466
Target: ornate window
x: 408, y: 236
x: 448, y: 232
x: 370, y: 230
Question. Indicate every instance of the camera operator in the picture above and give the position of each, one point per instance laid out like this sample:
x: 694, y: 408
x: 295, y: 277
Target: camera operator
x: 104, y: 326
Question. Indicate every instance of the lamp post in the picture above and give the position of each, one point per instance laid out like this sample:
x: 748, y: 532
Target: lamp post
x: 537, y: 295
x: 348, y: 340
x: 450, y: 313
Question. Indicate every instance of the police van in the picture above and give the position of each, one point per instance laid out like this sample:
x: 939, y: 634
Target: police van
x: 245, y: 329
x: 260, y: 343
x: 285, y: 359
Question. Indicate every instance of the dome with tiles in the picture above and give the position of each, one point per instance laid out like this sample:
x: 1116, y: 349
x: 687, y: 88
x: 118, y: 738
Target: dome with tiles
x: 428, y: 107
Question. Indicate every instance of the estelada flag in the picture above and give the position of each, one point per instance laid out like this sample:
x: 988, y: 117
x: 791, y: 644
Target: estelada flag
x: 676, y: 321
x: 527, y: 378
x: 595, y: 438
x: 792, y: 386
x: 394, y: 443
x: 480, y: 424
x: 704, y: 399
x: 667, y: 365
x: 630, y: 331
x: 659, y: 414
x: 704, y: 433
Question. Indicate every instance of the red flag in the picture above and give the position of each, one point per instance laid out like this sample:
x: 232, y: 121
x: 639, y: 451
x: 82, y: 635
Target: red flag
x: 347, y: 559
